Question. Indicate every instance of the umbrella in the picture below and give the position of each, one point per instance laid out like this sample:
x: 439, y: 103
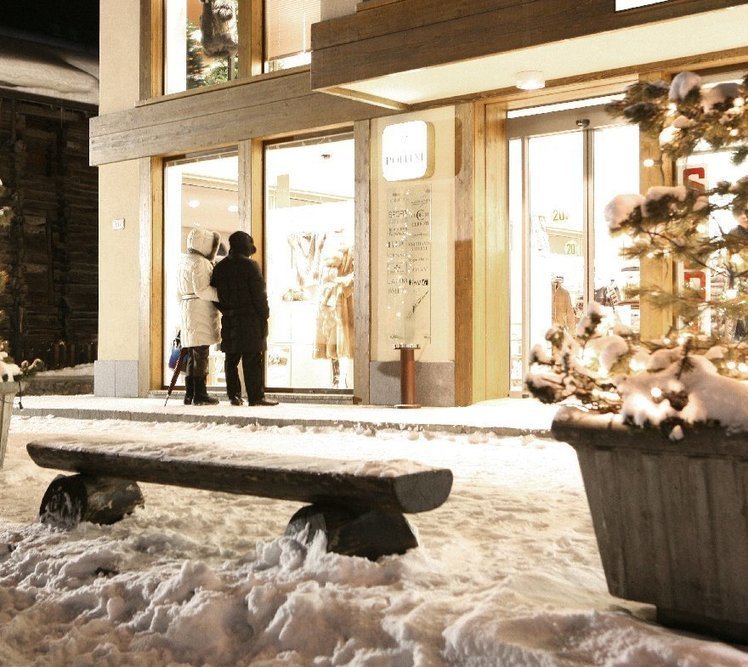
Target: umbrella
x: 177, y: 369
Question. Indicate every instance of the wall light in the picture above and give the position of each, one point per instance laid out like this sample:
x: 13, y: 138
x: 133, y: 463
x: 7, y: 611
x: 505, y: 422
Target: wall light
x: 531, y: 79
x: 650, y: 162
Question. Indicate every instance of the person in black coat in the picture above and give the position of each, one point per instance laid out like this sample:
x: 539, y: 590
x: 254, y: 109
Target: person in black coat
x: 243, y: 303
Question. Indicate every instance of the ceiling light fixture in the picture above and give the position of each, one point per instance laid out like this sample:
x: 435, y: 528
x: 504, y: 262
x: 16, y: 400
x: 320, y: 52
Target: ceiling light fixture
x: 193, y: 203
x: 531, y: 79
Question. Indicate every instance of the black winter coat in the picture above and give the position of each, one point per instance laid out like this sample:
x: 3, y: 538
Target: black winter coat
x: 243, y: 303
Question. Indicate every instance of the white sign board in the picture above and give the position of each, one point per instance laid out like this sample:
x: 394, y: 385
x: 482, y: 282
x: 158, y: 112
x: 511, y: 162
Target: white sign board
x: 408, y: 263
x: 408, y: 151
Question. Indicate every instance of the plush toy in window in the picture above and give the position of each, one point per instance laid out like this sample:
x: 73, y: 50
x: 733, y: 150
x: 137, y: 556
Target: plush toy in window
x: 218, y: 25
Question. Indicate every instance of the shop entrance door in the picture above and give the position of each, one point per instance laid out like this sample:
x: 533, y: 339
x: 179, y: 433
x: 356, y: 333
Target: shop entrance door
x: 564, y: 167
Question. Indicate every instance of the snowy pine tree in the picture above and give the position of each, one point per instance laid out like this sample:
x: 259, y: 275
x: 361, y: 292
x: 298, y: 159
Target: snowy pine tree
x: 597, y: 364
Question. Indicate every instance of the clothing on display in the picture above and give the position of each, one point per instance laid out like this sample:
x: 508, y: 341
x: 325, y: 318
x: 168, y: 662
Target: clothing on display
x: 334, y: 338
x: 306, y: 258
x: 562, y: 311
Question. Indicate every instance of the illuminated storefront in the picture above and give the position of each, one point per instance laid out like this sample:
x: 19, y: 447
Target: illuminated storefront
x: 397, y: 196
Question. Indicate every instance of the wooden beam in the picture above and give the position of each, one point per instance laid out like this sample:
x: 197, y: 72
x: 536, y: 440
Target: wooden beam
x: 152, y: 261
x: 423, y: 33
x: 467, y: 313
x: 497, y: 254
x: 654, y: 321
x: 151, y: 48
x: 221, y: 116
x: 362, y: 264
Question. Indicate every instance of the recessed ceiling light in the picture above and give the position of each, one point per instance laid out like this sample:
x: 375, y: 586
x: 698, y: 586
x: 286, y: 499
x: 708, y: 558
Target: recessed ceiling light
x: 531, y: 79
x: 233, y: 208
x: 193, y: 203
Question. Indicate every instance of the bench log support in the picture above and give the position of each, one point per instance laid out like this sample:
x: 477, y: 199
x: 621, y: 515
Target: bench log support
x: 367, y: 533
x: 75, y: 498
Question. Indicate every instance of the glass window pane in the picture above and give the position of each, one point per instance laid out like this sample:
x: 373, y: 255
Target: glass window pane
x: 557, y: 244
x: 200, y: 43
x: 517, y: 283
x: 288, y: 31
x: 616, y: 171
x: 309, y: 231
x: 202, y: 193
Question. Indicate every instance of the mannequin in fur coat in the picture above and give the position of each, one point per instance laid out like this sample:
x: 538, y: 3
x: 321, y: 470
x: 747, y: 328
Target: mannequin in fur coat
x: 218, y: 25
x: 334, y: 337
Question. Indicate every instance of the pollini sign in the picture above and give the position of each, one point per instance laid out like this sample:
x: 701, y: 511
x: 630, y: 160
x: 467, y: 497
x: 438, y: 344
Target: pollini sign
x: 408, y: 151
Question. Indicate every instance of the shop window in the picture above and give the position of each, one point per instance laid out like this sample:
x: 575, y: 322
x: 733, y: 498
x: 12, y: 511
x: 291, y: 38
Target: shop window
x: 201, y: 43
x: 288, y: 29
x: 197, y: 193
x: 309, y: 231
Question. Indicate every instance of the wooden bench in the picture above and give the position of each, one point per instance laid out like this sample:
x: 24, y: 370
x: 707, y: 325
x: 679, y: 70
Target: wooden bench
x: 358, y: 505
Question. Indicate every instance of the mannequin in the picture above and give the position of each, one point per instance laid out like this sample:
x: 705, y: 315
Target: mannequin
x: 562, y: 312
x: 334, y: 338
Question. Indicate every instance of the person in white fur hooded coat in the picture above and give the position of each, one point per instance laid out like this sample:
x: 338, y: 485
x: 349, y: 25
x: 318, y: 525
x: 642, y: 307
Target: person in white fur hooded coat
x: 200, y: 317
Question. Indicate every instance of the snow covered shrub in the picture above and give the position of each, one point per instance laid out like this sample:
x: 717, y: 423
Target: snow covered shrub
x: 693, y: 374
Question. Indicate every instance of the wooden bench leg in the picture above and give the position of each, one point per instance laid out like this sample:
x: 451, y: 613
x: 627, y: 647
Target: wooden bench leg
x: 75, y: 498
x: 367, y: 533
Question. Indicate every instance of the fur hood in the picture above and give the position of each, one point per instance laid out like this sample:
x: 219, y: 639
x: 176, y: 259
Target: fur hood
x: 204, y: 241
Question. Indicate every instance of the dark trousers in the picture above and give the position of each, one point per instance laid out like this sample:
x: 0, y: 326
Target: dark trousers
x: 253, y: 382
x: 197, y: 361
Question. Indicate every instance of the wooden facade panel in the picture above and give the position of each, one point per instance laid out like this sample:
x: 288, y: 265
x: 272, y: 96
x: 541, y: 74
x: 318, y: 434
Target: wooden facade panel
x: 219, y: 118
x: 427, y: 34
x: 50, y: 249
x: 196, y: 103
x: 362, y: 264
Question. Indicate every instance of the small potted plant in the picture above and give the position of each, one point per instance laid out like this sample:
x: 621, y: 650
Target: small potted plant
x: 11, y: 373
x: 661, y: 426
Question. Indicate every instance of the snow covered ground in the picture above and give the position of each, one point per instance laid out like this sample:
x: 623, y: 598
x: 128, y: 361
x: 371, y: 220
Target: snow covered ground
x: 507, y: 573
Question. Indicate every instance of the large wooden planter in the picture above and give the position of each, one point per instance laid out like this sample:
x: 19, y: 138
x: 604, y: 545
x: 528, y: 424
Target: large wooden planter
x: 671, y: 518
x: 7, y: 394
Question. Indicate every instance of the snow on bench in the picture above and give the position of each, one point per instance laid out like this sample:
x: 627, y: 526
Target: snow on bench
x: 359, y: 505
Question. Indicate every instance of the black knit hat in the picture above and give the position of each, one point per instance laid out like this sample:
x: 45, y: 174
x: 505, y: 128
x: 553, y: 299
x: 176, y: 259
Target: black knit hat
x: 242, y: 244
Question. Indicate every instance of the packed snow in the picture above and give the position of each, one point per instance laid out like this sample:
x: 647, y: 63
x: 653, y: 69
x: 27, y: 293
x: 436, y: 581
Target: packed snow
x: 507, y: 571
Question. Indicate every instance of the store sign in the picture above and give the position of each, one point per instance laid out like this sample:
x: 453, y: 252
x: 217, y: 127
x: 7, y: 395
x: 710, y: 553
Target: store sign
x: 408, y: 151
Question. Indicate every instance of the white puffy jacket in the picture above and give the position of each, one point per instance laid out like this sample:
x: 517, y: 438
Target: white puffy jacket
x: 201, y: 323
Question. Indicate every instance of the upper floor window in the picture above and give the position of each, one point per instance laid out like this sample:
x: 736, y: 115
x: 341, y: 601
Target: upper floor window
x: 288, y: 31
x: 201, y: 43
x: 205, y: 43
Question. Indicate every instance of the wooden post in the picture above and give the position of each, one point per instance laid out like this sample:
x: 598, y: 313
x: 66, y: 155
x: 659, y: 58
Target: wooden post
x: 407, y: 375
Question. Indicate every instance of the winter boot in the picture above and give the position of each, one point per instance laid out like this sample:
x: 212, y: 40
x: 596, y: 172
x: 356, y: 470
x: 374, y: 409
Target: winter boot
x: 201, y: 393
x: 189, y: 390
